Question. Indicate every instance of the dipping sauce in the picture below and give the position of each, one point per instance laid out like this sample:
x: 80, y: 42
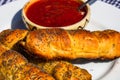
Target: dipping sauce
x: 55, y: 13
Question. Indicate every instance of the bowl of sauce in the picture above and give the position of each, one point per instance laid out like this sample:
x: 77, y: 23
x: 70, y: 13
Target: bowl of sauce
x: 42, y: 14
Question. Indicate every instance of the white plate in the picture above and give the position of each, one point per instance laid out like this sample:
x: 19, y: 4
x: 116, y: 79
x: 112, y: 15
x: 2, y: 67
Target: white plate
x: 103, y: 16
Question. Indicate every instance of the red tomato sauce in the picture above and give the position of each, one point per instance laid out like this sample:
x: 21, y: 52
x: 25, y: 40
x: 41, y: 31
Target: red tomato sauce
x: 54, y: 13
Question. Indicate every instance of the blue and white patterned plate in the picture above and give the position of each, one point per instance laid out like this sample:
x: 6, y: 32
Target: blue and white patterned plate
x: 115, y: 3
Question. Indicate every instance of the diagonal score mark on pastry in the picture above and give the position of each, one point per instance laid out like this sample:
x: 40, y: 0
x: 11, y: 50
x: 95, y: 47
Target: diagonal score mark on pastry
x: 14, y: 66
x: 72, y: 44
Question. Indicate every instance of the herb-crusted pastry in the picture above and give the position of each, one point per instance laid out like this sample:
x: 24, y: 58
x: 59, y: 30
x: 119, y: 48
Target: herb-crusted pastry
x: 72, y: 44
x: 14, y: 66
x: 63, y: 70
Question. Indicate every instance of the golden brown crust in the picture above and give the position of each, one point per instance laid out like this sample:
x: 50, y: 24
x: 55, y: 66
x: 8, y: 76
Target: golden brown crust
x: 58, y: 43
x: 13, y: 66
x: 51, y: 44
x: 10, y: 37
x: 1, y: 76
x: 67, y: 71
x: 48, y: 66
x: 3, y: 33
x: 109, y: 44
x: 31, y: 72
x: 63, y: 70
x: 10, y: 61
x: 3, y: 49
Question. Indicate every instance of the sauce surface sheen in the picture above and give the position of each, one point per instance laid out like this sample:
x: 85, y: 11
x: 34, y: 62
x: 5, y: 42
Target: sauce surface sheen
x: 55, y: 13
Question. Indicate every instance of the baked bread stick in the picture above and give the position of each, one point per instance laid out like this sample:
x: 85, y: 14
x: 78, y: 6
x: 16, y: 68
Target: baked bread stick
x: 73, y: 44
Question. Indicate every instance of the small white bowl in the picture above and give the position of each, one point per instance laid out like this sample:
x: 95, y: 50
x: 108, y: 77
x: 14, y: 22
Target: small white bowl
x: 31, y: 25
